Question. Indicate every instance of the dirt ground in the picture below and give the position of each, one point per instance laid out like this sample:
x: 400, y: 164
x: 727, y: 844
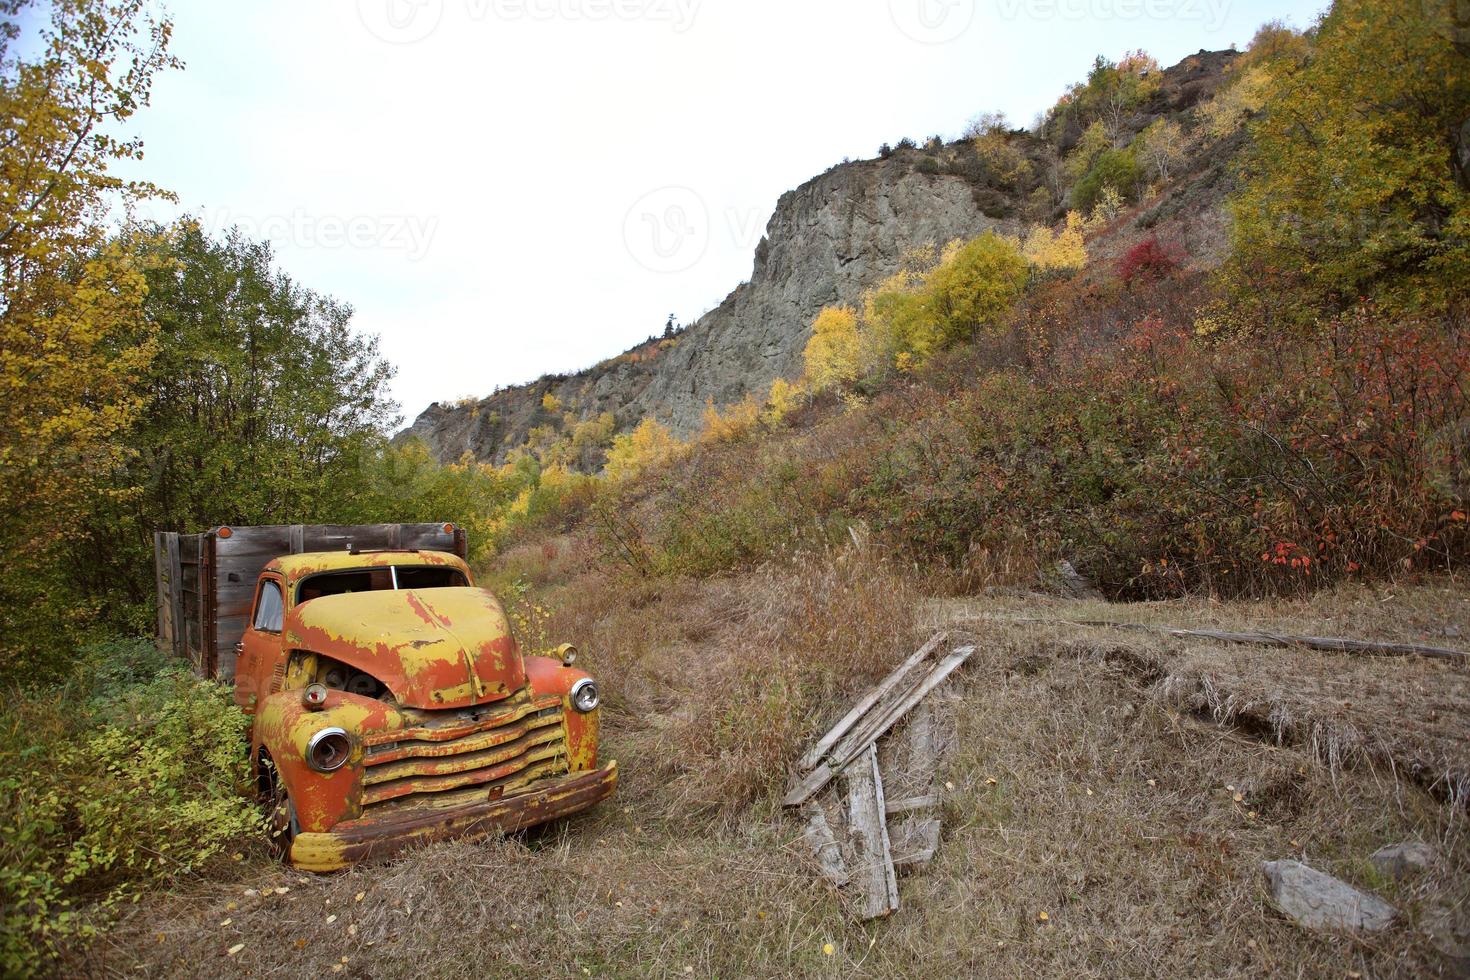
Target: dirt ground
x: 1128, y: 786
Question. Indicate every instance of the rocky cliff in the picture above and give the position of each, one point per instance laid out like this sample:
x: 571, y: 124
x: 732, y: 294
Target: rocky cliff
x: 828, y: 241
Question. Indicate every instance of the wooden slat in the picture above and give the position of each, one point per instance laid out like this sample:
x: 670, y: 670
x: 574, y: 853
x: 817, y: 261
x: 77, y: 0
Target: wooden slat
x: 920, y: 843
x: 926, y: 802
x: 814, y: 755
x: 878, y: 720
x: 823, y: 844
x: 180, y: 630
x: 869, y: 830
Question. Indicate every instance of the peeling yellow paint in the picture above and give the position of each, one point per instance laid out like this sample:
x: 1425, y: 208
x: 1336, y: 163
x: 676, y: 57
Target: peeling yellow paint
x: 471, y: 737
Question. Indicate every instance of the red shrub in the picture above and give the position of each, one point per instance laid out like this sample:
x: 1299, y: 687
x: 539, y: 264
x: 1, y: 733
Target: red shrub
x: 1149, y: 259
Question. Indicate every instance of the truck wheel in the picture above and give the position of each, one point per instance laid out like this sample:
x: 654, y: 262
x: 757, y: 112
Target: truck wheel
x: 282, y: 825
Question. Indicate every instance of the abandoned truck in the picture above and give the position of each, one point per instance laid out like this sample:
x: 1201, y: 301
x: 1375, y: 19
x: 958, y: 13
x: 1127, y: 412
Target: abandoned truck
x: 388, y: 700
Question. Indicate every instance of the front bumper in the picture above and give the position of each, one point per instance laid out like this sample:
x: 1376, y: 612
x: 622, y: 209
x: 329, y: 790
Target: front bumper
x: 358, y: 840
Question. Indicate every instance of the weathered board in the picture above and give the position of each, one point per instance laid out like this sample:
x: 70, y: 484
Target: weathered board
x: 881, y: 715
x: 206, y: 582
x: 824, y: 847
x: 869, y: 830
x: 814, y: 754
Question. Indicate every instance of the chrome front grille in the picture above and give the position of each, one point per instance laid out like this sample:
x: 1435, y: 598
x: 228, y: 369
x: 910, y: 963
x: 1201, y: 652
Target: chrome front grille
x: 452, y: 758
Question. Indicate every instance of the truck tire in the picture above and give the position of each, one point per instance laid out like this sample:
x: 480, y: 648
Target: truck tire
x: 282, y: 826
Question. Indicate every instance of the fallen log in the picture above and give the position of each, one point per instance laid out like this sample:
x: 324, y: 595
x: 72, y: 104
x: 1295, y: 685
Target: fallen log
x: 1331, y: 644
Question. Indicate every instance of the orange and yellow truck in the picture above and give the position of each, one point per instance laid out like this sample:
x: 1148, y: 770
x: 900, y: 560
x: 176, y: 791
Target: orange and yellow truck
x: 389, y: 702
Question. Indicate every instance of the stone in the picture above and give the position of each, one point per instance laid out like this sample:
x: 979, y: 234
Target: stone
x: 1398, y: 860
x: 1320, y: 901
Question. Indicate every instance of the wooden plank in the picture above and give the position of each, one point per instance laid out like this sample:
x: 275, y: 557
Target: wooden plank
x: 180, y: 631
x: 873, y: 726
x: 209, y: 608
x: 920, y: 844
x: 814, y: 755
x: 160, y: 595
x: 823, y: 844
x: 926, y: 802
x: 869, y: 832
x: 923, y: 755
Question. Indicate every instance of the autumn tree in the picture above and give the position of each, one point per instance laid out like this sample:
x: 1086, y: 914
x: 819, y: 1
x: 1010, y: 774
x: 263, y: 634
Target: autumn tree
x: 974, y: 284
x: 262, y: 402
x: 1352, y: 185
x: 832, y: 356
x: 1064, y: 251
x: 1161, y: 147
x: 72, y: 336
x: 649, y: 445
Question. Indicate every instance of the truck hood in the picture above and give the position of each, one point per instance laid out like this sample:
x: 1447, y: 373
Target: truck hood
x: 433, y: 648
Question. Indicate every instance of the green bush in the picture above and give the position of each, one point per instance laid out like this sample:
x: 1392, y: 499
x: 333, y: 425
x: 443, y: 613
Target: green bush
x: 1117, y: 169
x: 131, y: 770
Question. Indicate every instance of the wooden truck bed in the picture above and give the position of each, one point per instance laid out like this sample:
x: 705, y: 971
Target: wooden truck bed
x: 206, y: 582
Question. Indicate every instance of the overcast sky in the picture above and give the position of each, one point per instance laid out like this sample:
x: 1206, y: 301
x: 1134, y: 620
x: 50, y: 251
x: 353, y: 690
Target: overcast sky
x: 507, y: 188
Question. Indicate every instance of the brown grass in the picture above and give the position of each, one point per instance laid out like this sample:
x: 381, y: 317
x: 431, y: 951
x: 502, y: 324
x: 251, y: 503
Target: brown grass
x: 1112, y: 810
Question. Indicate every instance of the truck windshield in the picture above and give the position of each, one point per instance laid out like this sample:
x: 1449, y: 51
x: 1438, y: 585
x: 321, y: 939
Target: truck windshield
x: 379, y: 580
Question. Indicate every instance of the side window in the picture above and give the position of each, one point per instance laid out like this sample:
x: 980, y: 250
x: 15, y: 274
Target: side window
x: 269, y: 609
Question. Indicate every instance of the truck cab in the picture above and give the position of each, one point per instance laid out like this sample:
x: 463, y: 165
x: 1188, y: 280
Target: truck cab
x: 389, y: 703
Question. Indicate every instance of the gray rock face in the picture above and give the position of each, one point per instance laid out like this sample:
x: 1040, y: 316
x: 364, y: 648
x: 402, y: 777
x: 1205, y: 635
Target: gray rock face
x: 1320, y: 901
x: 828, y: 241
x: 1398, y: 860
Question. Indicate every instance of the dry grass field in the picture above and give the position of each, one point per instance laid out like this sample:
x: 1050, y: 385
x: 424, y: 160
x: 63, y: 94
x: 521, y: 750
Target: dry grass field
x: 1110, y: 797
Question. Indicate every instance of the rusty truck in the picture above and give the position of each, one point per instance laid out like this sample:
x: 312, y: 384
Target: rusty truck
x: 388, y: 700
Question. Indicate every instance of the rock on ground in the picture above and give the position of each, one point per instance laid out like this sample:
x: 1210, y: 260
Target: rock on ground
x: 1398, y: 860
x: 1320, y: 901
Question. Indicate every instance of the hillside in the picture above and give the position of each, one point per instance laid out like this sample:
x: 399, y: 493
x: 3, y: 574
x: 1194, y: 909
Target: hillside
x: 1102, y: 817
x: 828, y: 242
x: 1186, y: 397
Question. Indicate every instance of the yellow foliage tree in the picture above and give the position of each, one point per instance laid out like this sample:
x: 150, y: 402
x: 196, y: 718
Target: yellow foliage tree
x: 72, y: 334
x: 649, y: 445
x: 1064, y: 251
x: 1228, y: 111
x: 1357, y: 179
x: 784, y: 399
x: 832, y: 354
x: 1161, y: 147
x: 974, y: 284
x: 737, y: 420
x: 926, y: 306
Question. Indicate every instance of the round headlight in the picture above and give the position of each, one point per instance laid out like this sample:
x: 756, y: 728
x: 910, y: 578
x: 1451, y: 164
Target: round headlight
x: 584, y: 695
x: 328, y: 750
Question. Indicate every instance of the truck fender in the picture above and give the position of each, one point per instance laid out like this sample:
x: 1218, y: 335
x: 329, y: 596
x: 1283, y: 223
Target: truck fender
x: 284, y: 726
x: 549, y: 676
